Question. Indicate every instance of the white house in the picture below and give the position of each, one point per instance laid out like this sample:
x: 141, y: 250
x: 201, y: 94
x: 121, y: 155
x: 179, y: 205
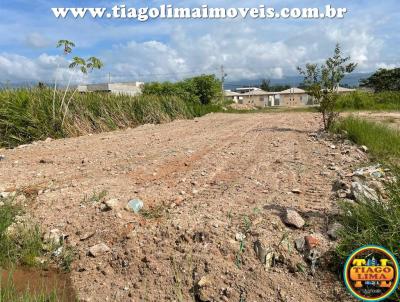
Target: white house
x: 129, y: 88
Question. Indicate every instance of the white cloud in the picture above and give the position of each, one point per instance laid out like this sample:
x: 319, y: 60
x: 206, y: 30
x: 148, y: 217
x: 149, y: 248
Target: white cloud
x: 45, y: 68
x: 169, y: 50
x: 37, y: 40
x: 250, y: 53
x: 363, y: 47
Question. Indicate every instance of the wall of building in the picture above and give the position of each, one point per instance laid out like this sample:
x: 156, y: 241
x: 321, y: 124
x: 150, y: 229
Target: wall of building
x: 133, y: 88
x: 125, y: 89
x: 293, y: 99
x: 255, y: 100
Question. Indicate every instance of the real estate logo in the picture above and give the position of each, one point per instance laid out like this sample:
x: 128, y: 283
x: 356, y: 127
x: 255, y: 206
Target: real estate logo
x: 371, y: 273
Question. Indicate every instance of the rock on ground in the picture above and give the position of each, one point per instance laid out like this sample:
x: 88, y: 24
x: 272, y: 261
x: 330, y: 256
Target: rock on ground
x: 98, y: 249
x: 293, y: 218
x: 333, y: 229
x: 362, y: 192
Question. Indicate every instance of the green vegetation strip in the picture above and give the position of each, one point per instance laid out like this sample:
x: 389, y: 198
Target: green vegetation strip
x: 372, y: 222
x: 26, y: 115
x: 389, y: 100
x: 382, y: 141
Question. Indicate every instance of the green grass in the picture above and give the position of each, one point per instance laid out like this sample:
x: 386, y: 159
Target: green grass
x: 155, y: 212
x: 95, y: 197
x: 8, y: 293
x: 22, y: 248
x: 372, y: 222
x: 383, y: 142
x: 26, y: 115
x: 389, y: 100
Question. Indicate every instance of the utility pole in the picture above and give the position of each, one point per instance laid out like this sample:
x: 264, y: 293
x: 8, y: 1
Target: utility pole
x: 109, y: 77
x: 223, y: 76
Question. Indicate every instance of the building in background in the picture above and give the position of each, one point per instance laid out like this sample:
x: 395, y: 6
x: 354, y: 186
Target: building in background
x: 293, y: 97
x: 344, y: 90
x: 129, y: 88
x: 260, y: 98
x: 234, y: 96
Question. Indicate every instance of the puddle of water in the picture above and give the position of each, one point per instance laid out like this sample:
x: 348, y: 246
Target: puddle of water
x: 40, y: 282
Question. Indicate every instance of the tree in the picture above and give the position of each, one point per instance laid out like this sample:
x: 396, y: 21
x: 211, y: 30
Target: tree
x: 78, y: 63
x: 383, y: 80
x: 94, y: 63
x: 265, y: 84
x: 322, y: 82
x: 279, y: 87
x: 83, y: 66
x: 206, y: 88
x: 67, y: 46
x: 67, y: 49
x: 203, y: 89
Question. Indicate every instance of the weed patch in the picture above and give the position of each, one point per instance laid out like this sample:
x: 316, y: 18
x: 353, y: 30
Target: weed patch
x: 9, y: 293
x: 20, y: 242
x: 96, y: 197
x: 154, y: 212
x: 382, y: 141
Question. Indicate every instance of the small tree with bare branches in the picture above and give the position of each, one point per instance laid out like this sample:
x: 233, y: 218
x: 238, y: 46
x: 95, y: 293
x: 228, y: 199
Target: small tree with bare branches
x: 322, y: 82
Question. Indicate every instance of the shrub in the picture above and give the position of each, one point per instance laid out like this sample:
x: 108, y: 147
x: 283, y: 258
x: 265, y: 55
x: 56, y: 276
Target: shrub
x: 201, y: 89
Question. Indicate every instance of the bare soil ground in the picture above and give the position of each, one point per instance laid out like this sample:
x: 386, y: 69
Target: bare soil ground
x: 202, y: 181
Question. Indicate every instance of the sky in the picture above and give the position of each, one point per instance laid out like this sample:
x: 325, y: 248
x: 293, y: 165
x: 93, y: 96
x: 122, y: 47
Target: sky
x: 160, y: 50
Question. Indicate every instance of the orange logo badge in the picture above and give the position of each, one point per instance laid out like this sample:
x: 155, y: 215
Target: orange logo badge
x: 371, y: 273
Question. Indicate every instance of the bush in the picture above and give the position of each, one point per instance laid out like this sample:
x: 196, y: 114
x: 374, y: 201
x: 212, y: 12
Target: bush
x: 201, y: 89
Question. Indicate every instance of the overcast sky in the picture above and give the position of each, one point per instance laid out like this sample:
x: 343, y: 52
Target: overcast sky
x: 172, y: 49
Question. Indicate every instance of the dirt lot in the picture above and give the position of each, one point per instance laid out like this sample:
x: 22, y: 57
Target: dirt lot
x: 202, y: 182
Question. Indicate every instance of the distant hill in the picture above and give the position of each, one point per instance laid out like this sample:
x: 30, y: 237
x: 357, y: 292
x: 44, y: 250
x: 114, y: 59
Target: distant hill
x: 351, y: 80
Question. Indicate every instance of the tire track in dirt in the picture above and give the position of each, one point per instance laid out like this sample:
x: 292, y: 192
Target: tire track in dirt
x: 241, y: 166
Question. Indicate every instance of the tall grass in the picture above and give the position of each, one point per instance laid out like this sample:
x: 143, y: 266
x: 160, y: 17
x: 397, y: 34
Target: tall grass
x: 9, y: 293
x: 372, y: 222
x: 382, y: 141
x: 26, y: 114
x: 389, y: 100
